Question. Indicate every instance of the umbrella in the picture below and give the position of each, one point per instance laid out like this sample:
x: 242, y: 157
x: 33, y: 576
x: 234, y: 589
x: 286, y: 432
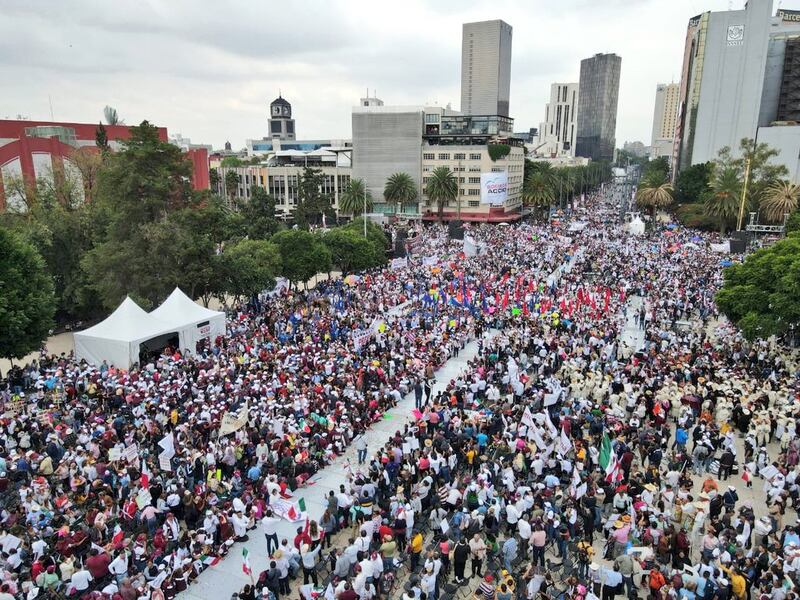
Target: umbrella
x: 696, y: 238
x: 726, y: 263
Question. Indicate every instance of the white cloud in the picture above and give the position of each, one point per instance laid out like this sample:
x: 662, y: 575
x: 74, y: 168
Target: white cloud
x: 209, y: 69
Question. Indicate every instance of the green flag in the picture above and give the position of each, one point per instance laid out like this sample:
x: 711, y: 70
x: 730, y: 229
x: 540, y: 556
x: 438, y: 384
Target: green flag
x: 301, y: 504
x: 605, y: 451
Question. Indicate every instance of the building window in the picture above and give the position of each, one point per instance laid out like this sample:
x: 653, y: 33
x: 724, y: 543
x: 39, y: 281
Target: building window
x: 459, y: 156
x: 425, y: 179
x: 474, y: 203
x: 428, y: 156
x: 431, y: 118
x: 497, y: 169
x: 474, y: 156
x: 444, y: 157
x: 475, y: 192
x: 474, y: 179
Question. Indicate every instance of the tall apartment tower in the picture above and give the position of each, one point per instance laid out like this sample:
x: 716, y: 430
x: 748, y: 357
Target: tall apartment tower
x: 665, y: 115
x: 598, y: 93
x: 557, y: 131
x: 485, y: 68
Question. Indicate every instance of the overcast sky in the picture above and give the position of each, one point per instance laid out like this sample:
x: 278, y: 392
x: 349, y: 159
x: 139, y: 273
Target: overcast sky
x: 208, y: 70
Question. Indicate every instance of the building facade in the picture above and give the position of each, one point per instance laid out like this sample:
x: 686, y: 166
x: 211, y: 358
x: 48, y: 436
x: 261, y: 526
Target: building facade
x: 732, y: 83
x: 558, y: 131
x: 282, y: 181
x: 280, y: 122
x: 464, y: 144
x: 486, y: 68
x: 665, y: 115
x: 598, y: 94
x: 44, y: 149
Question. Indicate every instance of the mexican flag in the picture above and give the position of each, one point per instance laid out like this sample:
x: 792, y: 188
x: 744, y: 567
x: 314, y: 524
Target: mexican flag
x: 606, y: 451
x: 609, y: 462
x: 246, y: 569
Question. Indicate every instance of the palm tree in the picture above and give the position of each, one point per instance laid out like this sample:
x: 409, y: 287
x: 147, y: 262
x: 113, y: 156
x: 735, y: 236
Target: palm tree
x: 351, y: 200
x: 781, y: 198
x: 538, y: 190
x: 442, y: 188
x: 399, y: 190
x: 654, y: 192
x: 232, y: 181
x: 723, y: 201
x: 111, y: 116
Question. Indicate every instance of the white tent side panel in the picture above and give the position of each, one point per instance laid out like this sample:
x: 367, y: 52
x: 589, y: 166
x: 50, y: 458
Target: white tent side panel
x: 117, y: 353
x: 192, y: 333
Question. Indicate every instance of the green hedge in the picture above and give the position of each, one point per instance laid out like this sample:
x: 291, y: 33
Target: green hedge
x: 497, y: 151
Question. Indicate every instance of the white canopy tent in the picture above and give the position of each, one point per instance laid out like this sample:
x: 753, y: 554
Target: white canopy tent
x: 117, y: 339
x: 192, y: 321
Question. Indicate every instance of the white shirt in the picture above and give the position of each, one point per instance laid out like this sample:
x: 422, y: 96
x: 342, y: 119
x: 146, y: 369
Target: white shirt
x: 80, y: 579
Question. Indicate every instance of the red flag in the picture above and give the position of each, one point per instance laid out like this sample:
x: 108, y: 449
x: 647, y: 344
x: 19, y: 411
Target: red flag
x: 291, y: 513
x: 505, y: 300
x: 145, y: 480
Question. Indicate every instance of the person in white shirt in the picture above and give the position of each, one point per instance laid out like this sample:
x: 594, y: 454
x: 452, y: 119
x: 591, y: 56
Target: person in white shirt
x: 269, y: 525
x: 80, y: 580
x: 525, y: 532
x: 119, y: 567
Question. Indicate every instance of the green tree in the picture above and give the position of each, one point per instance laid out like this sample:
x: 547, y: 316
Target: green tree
x: 537, y: 190
x: 657, y: 169
x: 312, y: 203
x: 101, y: 138
x: 374, y: 233
x: 248, y: 267
x: 763, y: 172
x: 259, y: 214
x: 442, y: 189
x: 351, y: 199
x: 654, y: 193
x: 302, y: 254
x: 213, y: 179
x: 779, y: 199
x: 231, y: 162
x: 232, y: 181
x: 399, y: 190
x: 692, y: 184
x: 724, y: 198
x: 760, y: 295
x: 27, y: 303
x: 793, y: 223
x: 351, y: 251
x: 140, y: 185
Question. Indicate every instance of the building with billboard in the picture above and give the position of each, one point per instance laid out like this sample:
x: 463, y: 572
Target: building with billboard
x: 486, y: 68
x: 598, y: 94
x: 739, y: 80
x: 43, y: 149
x: 487, y: 160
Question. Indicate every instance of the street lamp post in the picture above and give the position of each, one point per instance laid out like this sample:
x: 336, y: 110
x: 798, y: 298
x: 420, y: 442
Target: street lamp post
x: 365, y: 209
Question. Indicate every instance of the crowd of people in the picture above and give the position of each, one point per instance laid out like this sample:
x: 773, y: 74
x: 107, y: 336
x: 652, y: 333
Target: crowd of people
x: 568, y: 460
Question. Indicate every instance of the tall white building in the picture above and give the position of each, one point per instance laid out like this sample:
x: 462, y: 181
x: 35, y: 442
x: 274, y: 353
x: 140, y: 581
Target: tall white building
x: 558, y: 130
x: 665, y: 115
x: 485, y: 68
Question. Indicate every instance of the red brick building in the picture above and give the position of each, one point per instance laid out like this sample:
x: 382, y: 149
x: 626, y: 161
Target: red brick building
x: 34, y: 149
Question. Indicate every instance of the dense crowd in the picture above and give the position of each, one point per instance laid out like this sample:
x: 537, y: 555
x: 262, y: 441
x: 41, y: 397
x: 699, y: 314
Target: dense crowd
x: 564, y: 441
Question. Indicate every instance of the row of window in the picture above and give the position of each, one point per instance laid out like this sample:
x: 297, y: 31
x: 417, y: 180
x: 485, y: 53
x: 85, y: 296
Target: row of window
x: 446, y: 156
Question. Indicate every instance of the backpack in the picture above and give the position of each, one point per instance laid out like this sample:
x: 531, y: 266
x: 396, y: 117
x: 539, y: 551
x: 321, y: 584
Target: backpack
x: 472, y: 500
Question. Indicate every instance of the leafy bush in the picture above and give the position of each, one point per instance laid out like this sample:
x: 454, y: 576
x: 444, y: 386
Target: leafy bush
x: 498, y: 151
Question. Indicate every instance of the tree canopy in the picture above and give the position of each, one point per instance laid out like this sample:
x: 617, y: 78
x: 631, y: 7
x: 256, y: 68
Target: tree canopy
x: 27, y: 303
x: 351, y: 251
x: 303, y: 255
x: 760, y: 295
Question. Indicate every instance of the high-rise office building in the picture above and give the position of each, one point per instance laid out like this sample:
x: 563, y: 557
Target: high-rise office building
x: 739, y: 72
x: 598, y: 92
x: 558, y: 130
x: 485, y: 68
x: 665, y: 115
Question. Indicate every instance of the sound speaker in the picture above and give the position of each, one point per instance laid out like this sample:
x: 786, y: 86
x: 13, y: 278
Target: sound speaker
x: 738, y: 242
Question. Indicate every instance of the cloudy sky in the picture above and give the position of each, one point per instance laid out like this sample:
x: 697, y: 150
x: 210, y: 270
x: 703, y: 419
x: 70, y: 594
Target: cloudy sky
x: 208, y: 70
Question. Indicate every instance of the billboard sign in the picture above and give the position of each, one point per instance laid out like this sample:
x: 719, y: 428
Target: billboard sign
x: 494, y: 188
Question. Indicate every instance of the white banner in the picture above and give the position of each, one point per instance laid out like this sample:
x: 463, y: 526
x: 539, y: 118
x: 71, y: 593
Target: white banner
x: 723, y: 247
x: 430, y: 261
x: 230, y: 422
x: 494, y: 188
x: 399, y: 263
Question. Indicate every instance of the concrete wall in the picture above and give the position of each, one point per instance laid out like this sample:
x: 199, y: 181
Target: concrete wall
x: 786, y: 139
x: 732, y: 78
x: 385, y: 143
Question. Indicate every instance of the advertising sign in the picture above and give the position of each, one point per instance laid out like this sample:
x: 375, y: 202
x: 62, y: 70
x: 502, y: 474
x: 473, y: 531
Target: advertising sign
x: 494, y: 188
